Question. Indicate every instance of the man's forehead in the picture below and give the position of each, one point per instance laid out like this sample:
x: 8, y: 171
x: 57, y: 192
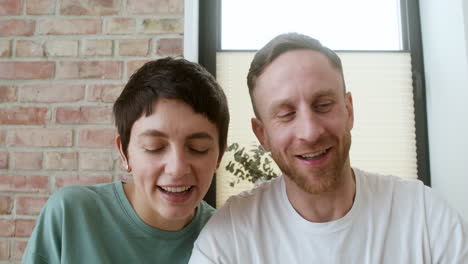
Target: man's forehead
x: 285, y: 99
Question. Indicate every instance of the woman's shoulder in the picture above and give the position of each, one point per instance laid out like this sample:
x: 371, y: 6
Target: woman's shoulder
x: 206, y: 211
x: 74, y: 195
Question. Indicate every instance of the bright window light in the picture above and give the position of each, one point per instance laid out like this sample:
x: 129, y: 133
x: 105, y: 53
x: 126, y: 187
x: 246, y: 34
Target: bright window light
x: 338, y: 24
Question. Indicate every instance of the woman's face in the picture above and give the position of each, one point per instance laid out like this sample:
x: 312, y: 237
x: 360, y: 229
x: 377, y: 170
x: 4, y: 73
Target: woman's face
x: 173, y: 155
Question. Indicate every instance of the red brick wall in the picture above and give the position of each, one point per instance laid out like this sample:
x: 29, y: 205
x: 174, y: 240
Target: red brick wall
x: 62, y: 65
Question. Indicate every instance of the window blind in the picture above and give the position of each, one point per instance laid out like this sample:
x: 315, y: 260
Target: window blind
x: 383, y: 137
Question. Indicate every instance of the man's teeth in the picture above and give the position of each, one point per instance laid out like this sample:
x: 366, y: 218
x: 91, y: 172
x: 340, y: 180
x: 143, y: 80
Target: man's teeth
x: 176, y: 189
x: 313, y: 155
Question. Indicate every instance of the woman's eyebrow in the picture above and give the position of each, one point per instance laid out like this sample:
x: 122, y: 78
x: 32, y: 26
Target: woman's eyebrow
x: 153, y: 133
x: 200, y: 135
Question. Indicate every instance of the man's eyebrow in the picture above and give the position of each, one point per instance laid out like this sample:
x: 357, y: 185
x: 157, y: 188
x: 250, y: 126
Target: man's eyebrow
x: 153, y: 133
x: 325, y: 92
x: 287, y: 102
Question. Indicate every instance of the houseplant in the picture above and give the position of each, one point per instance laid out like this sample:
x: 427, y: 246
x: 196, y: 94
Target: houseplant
x: 253, y: 164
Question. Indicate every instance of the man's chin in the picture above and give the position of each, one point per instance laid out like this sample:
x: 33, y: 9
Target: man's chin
x: 316, y: 183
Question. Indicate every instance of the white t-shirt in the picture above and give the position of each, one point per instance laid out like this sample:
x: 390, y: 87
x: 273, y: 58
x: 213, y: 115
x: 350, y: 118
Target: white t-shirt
x: 391, y: 221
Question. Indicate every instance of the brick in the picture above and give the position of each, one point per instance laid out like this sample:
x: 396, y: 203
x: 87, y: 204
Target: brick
x: 120, y: 25
x: 84, y: 115
x: 162, y: 25
x: 7, y: 93
x: 10, y: 7
x: 7, y: 227
x: 61, y: 48
x: 61, y: 181
x: 18, y: 115
x: 96, y: 161
x: 40, y: 7
x: 24, y: 227
x: 27, y: 160
x: 29, y: 205
x: 52, y: 93
x: 3, y: 160
x: 69, y: 26
x: 30, y: 48
x: 90, y: 7
x: 18, y: 249
x: 17, y: 27
x: 99, y: 47
x: 27, y: 70
x: 41, y: 137
x: 133, y: 66
x: 89, y: 70
x: 20, y: 183
x: 61, y: 160
x: 154, y: 7
x: 6, y: 204
x: 134, y: 47
x: 4, y: 249
x: 97, y: 138
x: 106, y: 93
x: 173, y: 47
x: 5, y: 48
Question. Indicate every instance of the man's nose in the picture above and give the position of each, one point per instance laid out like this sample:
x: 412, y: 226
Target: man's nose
x: 308, y: 126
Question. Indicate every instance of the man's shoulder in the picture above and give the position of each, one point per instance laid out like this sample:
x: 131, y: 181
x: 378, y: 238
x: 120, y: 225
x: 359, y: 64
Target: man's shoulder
x: 383, y: 183
x: 263, y: 192
x: 405, y: 194
x: 237, y: 220
x: 242, y: 207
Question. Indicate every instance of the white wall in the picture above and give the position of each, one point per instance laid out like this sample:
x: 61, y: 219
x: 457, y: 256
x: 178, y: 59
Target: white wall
x: 445, y: 46
x: 191, y: 30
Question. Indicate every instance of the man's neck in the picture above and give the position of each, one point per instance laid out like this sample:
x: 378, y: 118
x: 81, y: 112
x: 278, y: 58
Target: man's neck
x: 324, y: 207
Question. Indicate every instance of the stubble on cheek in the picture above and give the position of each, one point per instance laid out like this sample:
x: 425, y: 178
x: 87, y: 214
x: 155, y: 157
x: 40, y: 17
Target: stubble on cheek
x: 317, y: 180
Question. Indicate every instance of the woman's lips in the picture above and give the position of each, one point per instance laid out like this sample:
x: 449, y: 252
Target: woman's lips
x: 176, y: 194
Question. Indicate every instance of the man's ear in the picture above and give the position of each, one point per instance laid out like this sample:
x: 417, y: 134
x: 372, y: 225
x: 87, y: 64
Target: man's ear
x: 123, y: 158
x: 350, y: 109
x: 259, y: 131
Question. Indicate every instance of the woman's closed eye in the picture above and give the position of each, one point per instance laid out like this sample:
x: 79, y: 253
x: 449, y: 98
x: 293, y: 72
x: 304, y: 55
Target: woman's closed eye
x: 154, y: 150
x: 198, y: 150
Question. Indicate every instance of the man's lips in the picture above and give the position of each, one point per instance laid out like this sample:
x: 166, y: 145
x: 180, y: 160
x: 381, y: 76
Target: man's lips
x: 313, y: 155
x: 314, y: 159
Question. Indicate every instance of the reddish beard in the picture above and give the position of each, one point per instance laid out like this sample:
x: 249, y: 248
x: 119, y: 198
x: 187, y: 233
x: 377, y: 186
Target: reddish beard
x: 325, y: 179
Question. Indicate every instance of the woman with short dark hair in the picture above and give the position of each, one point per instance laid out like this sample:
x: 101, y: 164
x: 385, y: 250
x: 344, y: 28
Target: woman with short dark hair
x: 172, y: 121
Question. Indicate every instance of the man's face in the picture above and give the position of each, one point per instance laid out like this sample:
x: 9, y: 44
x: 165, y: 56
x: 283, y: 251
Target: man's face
x: 305, y: 119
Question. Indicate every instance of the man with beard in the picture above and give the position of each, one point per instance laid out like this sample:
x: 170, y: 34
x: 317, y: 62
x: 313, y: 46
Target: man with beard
x: 322, y: 210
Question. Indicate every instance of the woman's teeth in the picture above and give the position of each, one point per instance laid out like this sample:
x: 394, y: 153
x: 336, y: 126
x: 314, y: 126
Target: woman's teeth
x: 176, y: 189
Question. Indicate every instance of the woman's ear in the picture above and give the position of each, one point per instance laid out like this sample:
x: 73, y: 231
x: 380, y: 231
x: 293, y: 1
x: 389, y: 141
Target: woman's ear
x: 123, y: 158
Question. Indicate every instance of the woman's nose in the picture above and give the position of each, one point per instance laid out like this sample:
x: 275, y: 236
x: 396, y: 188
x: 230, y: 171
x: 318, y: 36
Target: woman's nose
x: 177, y: 163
